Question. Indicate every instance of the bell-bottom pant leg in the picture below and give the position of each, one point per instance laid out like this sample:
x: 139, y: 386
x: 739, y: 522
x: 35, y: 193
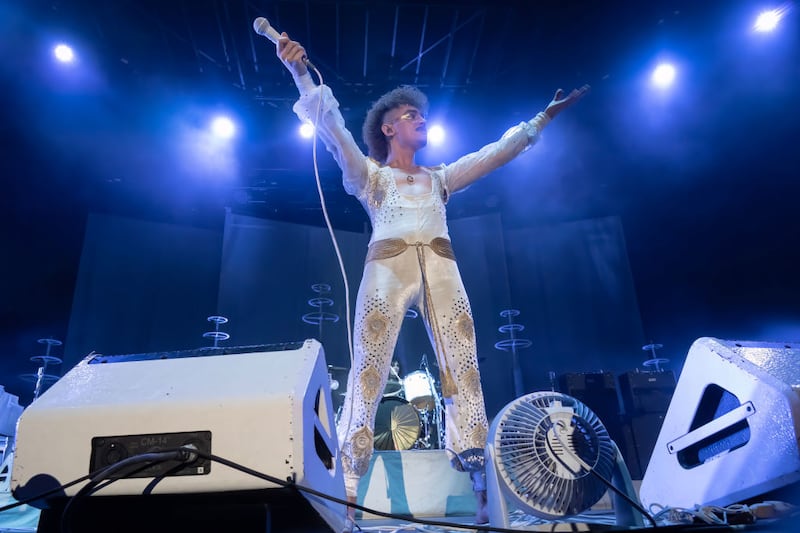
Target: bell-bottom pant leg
x: 448, y: 319
x: 387, y: 288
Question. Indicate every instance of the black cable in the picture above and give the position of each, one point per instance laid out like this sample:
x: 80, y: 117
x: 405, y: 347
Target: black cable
x: 300, y: 488
x: 156, y: 480
x: 592, y: 471
x: 45, y: 494
x: 186, y: 455
x: 627, y: 498
x: 63, y: 487
x: 180, y: 454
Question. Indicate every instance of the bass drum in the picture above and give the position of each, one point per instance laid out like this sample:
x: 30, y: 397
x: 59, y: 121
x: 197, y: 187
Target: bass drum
x: 397, y: 425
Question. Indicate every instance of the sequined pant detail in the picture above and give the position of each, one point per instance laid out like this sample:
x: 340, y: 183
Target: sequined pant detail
x: 388, y: 288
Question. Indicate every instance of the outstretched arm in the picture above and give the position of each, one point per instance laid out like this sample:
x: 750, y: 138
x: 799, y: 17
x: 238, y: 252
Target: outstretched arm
x: 318, y: 106
x: 471, y: 167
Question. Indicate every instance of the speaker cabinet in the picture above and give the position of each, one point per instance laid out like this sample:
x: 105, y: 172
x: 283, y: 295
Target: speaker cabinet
x: 267, y: 408
x: 646, y: 392
x: 731, y: 430
x: 598, y: 390
x: 640, y: 435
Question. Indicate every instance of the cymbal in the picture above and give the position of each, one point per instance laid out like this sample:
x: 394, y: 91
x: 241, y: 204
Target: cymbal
x: 339, y: 368
x: 653, y: 346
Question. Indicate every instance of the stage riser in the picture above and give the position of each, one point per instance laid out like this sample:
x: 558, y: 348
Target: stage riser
x: 417, y: 482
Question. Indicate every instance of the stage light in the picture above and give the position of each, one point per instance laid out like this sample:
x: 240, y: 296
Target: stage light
x: 64, y: 53
x: 223, y: 127
x: 663, y: 75
x: 204, y: 141
x: 768, y: 20
x: 306, y: 130
x: 436, y: 135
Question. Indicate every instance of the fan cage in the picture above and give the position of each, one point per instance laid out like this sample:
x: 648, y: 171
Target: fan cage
x: 537, y: 471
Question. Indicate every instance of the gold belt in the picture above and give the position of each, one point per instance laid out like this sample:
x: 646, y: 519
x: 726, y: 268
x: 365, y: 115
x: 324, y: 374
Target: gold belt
x: 386, y: 248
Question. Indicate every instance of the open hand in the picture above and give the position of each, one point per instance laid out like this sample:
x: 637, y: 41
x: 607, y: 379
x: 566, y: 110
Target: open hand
x: 560, y: 102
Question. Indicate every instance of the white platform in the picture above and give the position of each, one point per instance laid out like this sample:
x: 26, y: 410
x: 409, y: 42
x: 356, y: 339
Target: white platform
x: 420, y: 483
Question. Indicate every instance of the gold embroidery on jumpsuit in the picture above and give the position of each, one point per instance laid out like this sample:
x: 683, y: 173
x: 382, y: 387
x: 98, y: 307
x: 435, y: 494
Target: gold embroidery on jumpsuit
x: 465, y: 327
x: 370, y: 382
x: 376, y: 326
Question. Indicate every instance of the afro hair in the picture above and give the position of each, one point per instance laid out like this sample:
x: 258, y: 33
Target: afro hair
x: 374, y: 138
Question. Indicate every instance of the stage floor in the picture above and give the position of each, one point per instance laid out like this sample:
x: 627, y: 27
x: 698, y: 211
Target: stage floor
x: 419, y: 485
x: 25, y: 520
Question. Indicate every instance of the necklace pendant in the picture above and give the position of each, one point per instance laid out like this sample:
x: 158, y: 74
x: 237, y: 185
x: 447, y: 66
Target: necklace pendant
x: 410, y: 178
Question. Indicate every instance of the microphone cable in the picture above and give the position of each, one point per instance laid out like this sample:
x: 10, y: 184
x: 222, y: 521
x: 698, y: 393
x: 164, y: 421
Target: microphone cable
x: 342, y: 270
x: 262, y: 27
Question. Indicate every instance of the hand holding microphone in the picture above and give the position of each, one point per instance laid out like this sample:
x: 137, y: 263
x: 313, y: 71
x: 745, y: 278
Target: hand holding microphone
x: 291, y: 53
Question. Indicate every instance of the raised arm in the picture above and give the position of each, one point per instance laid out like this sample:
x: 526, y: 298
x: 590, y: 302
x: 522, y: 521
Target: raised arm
x: 471, y: 167
x: 318, y: 106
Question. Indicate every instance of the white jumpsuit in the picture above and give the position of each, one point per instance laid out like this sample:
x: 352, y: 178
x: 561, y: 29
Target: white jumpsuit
x: 396, y: 277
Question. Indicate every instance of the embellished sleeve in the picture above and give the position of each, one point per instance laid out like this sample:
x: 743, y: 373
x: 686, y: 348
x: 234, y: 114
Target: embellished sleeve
x: 319, y: 101
x: 471, y: 167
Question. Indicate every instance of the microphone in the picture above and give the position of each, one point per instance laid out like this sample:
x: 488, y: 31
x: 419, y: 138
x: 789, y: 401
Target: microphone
x: 265, y: 29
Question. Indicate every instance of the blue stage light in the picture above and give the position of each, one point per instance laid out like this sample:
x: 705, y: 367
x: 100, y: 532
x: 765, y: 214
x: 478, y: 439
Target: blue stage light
x: 64, y: 53
x: 223, y: 127
x: 306, y: 130
x: 663, y: 75
x: 768, y: 20
x: 436, y: 135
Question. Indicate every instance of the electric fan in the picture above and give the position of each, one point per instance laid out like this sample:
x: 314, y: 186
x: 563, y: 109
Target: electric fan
x: 542, y: 453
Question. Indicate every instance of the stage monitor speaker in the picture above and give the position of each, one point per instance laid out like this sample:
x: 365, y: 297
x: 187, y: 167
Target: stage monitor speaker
x: 267, y: 408
x: 731, y: 430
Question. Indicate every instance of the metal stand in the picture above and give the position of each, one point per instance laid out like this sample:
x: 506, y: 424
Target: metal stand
x: 319, y: 317
x: 41, y: 378
x: 217, y: 335
x: 433, y: 417
x: 512, y: 344
x: 655, y: 362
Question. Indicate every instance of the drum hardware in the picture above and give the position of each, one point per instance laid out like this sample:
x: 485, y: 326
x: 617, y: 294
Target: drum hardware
x: 337, y: 379
x: 410, y: 413
x: 397, y: 425
x: 334, y: 383
x: 393, y: 388
x: 421, y: 390
x: 423, y: 364
x: 432, y: 430
x: 394, y: 383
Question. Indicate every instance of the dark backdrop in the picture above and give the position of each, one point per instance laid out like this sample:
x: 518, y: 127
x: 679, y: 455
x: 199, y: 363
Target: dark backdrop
x: 145, y: 287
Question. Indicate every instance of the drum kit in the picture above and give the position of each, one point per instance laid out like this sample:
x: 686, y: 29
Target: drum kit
x: 411, y: 412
